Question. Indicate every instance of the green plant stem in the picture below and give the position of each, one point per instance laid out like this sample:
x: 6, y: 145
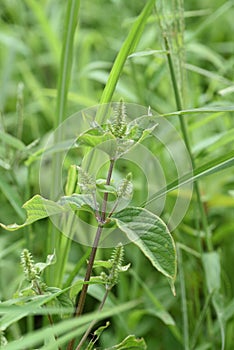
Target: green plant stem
x: 183, y: 300
x: 187, y: 143
x: 64, y: 78
x: 105, y: 197
x: 83, y: 294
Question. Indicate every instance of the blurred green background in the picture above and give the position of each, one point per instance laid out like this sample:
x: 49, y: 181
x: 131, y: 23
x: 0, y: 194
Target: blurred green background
x: 201, y: 40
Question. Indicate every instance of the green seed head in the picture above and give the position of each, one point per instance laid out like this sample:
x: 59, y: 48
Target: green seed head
x: 119, y: 126
x: 30, y: 271
x: 125, y: 187
x: 117, y: 260
x: 86, y: 182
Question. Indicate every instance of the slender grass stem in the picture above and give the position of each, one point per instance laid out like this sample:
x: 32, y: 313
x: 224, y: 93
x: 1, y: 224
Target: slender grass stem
x: 200, y: 320
x: 64, y: 78
x: 183, y: 300
x: 187, y: 143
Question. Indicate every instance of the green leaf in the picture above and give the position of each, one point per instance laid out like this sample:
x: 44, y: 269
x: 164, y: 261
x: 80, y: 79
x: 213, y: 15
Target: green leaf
x: 155, y: 307
x: 78, y: 201
x: 12, y: 312
x: 126, y: 49
x: 107, y: 264
x: 12, y: 141
x: 77, y: 286
x: 211, y: 264
x: 215, y: 165
x: 64, y: 330
x: 62, y: 301
x: 38, y: 208
x: 141, y: 127
x: 97, y: 334
x: 146, y: 53
x: 95, y: 137
x: 102, y: 187
x: 50, y: 260
x: 131, y: 342
x: 205, y: 110
x: 152, y: 236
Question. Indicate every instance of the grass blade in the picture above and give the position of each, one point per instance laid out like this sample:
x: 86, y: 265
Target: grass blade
x: 126, y: 49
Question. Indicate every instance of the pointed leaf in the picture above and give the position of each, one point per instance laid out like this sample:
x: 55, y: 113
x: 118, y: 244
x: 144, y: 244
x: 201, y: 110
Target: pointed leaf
x: 98, y: 137
x: 127, y: 48
x: 64, y: 330
x: 151, y: 235
x: 131, y: 342
x: 97, y: 334
x: 77, y: 286
x: 38, y: 208
x: 51, y: 259
x: 12, y: 141
x: 103, y: 263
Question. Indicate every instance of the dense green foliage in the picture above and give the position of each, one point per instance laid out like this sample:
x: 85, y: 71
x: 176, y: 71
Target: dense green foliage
x: 172, y: 57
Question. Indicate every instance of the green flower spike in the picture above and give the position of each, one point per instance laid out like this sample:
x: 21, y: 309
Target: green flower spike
x: 30, y: 271
x: 119, y: 126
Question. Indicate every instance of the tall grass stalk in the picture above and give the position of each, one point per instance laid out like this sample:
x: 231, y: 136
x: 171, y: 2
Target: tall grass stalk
x: 62, y: 244
x: 183, y: 300
x: 187, y: 143
x: 127, y: 48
